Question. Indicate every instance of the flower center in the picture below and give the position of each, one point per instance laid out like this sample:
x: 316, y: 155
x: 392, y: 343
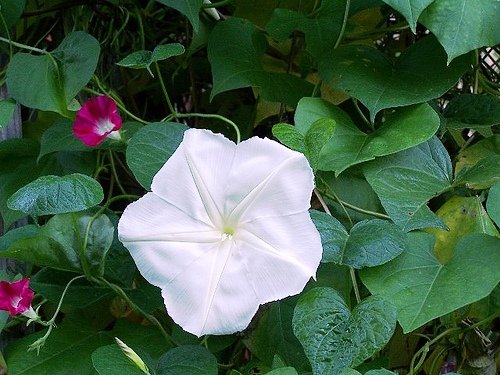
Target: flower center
x: 104, y: 126
x: 227, y: 232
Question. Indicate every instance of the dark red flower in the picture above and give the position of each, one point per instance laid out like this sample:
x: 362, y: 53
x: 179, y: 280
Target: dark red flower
x: 16, y: 297
x: 96, y: 120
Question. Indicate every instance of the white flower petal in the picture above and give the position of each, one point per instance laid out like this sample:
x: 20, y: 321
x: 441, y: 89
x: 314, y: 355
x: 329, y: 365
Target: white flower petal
x: 195, y: 176
x: 281, y: 253
x: 213, y: 296
x: 268, y: 179
x: 153, y: 219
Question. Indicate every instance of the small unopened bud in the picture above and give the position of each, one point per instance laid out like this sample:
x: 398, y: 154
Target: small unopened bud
x: 129, y: 352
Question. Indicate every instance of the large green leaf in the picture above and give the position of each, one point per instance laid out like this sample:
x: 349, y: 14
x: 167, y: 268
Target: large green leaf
x: 410, y: 9
x: 187, y: 359
x: 406, y: 181
x: 333, y: 337
x: 273, y: 335
x: 18, y: 167
x: 68, y: 350
x: 49, y: 195
x: 418, y: 75
x: 283, y: 371
x: 422, y: 288
x: 472, y: 111
x: 151, y: 147
x: 369, y: 243
x: 190, y: 8
x: 321, y: 28
x: 462, y: 25
x: 404, y: 128
x: 60, y: 243
x: 240, y: 66
x: 57, y: 76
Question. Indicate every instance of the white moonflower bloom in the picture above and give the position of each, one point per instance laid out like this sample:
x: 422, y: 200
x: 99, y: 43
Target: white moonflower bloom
x: 225, y: 229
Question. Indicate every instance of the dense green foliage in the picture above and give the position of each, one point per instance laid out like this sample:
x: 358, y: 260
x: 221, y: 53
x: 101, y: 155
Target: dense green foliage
x: 396, y: 105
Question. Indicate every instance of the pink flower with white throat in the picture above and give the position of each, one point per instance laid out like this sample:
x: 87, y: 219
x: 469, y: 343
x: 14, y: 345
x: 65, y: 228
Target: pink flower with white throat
x: 16, y: 297
x: 225, y: 229
x: 97, y: 120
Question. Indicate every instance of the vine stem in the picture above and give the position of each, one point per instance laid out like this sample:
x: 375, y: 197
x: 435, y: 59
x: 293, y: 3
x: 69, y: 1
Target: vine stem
x: 119, y: 291
x: 51, y: 323
x: 344, y: 24
x: 356, y: 208
x: 208, y: 115
x: 164, y: 89
x: 24, y: 46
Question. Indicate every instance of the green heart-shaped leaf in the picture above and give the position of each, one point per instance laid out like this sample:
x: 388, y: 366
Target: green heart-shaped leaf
x: 334, y: 338
x: 418, y: 75
x: 49, y: 195
x: 370, y: 242
x: 407, y: 180
x: 58, y: 75
x: 241, y: 66
x: 463, y: 25
x: 404, y: 128
x: 422, y: 288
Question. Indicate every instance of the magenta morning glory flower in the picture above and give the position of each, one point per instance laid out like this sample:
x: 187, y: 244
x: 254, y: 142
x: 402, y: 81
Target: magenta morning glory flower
x: 96, y: 120
x: 225, y: 229
x: 16, y: 297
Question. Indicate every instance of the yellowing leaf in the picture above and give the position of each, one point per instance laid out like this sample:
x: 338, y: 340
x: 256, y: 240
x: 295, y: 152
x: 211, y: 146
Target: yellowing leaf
x: 462, y: 215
